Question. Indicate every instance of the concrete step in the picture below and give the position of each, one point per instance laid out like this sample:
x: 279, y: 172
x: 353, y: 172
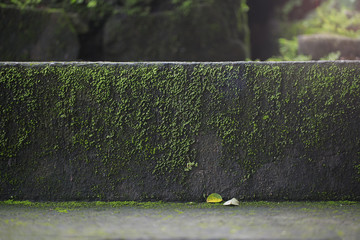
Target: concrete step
x: 175, y: 221
x: 179, y: 131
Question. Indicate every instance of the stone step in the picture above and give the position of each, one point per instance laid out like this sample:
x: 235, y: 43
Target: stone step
x: 178, y: 131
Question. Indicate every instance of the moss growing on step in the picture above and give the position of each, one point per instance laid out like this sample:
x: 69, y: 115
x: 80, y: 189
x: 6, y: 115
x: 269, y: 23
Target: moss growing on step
x: 106, y: 131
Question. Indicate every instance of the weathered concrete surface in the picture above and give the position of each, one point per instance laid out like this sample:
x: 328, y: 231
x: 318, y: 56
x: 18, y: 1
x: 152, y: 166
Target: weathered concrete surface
x: 311, y: 221
x: 179, y: 131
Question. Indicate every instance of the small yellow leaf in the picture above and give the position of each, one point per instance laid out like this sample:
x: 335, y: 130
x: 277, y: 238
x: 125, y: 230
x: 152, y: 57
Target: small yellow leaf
x: 214, y: 198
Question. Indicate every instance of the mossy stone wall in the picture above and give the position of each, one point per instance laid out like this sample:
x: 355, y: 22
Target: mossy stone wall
x: 180, y: 131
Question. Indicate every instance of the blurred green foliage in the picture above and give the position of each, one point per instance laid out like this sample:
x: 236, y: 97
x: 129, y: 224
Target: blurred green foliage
x: 25, y: 3
x: 331, y: 17
x: 289, y: 51
x: 95, y: 10
x: 89, y: 3
x: 129, y: 6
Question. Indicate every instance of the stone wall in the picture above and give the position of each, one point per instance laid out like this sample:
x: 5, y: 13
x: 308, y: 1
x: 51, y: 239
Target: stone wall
x: 215, y: 30
x: 37, y: 35
x: 180, y: 131
x: 321, y: 45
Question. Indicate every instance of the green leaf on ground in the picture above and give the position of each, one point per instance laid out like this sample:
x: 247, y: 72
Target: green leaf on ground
x: 214, y: 198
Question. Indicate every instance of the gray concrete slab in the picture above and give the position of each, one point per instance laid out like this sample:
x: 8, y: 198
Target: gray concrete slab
x: 251, y: 220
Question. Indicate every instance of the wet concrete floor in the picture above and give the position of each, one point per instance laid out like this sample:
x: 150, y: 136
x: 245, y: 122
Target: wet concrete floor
x: 112, y: 221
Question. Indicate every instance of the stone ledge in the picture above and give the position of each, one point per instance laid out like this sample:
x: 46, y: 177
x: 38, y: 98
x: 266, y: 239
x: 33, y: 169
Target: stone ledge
x: 177, y: 131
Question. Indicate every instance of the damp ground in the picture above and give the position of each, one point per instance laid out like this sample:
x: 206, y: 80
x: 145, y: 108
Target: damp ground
x: 158, y: 220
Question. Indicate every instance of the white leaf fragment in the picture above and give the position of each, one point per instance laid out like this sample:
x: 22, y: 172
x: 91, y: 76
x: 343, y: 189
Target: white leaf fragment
x: 232, y: 202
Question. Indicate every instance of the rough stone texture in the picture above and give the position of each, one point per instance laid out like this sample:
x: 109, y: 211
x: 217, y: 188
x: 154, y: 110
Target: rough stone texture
x: 33, y: 34
x: 321, y: 45
x: 214, y: 31
x: 179, y: 131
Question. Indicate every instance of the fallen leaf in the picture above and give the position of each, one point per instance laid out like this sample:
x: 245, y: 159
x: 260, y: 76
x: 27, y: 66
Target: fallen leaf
x: 232, y: 202
x: 214, y: 198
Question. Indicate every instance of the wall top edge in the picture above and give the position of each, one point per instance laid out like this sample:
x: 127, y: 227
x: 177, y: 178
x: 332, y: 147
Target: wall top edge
x: 2, y: 63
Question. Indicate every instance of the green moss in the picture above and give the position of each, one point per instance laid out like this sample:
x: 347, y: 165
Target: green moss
x: 132, y: 116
